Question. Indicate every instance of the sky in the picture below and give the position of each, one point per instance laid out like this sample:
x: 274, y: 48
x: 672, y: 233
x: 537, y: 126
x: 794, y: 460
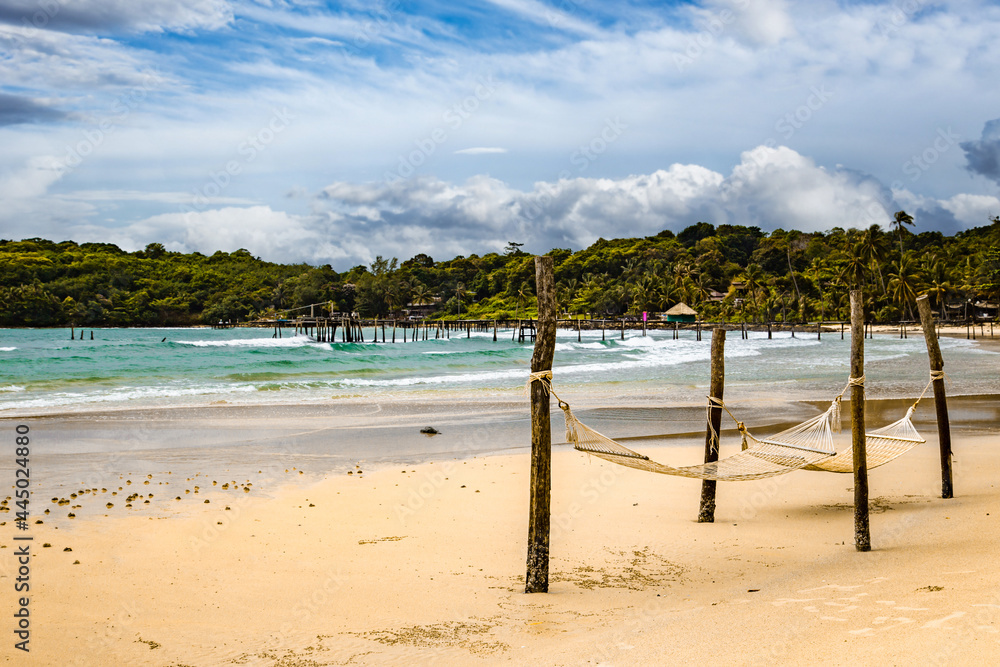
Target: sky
x: 330, y: 133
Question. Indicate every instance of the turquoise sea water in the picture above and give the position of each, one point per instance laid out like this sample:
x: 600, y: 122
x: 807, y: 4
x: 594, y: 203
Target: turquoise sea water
x: 43, y: 371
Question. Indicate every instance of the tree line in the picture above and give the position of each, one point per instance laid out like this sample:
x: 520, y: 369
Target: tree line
x: 726, y: 272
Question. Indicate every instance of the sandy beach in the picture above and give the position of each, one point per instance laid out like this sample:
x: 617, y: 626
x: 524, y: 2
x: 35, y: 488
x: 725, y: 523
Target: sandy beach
x: 424, y: 564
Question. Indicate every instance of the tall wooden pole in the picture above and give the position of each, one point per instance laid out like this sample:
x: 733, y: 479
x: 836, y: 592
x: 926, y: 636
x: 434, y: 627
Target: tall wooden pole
x: 862, y: 531
x: 537, y: 579
x: 706, y: 510
x: 940, y: 400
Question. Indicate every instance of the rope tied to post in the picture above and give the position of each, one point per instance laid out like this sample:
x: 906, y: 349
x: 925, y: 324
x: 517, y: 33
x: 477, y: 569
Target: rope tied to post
x: 856, y: 382
x: 544, y: 377
x: 935, y: 375
x: 714, y: 402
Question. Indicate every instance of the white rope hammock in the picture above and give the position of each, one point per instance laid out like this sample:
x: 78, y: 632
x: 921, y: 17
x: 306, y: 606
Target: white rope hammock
x: 808, y: 445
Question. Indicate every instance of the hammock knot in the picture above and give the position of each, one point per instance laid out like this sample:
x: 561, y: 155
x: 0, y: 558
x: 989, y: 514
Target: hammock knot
x: 834, y: 413
x: 544, y: 377
x: 937, y: 375
x: 856, y: 382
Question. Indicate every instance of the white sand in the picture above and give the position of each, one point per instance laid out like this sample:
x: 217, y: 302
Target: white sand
x: 427, y: 566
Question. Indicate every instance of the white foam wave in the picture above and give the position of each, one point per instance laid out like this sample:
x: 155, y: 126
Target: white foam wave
x: 12, y: 388
x: 125, y: 394
x: 7, y: 349
x: 569, y: 347
x: 484, y: 377
x: 293, y: 341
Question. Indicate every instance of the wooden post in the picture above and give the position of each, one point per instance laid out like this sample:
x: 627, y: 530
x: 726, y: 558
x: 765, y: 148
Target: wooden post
x: 602, y: 330
x: 537, y: 579
x: 579, y: 330
x: 698, y: 330
x: 623, y: 327
x: 769, y: 329
x: 862, y: 531
x: 706, y: 510
x: 494, y: 331
x: 819, y: 331
x: 940, y: 399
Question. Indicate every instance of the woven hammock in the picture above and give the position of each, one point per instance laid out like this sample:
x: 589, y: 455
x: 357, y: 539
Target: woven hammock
x: 881, y: 446
x: 789, y: 450
x: 807, y: 446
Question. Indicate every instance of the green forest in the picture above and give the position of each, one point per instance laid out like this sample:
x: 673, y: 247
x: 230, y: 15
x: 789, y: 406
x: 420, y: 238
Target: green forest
x: 726, y: 272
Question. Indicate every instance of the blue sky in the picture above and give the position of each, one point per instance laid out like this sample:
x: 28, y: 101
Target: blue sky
x: 334, y: 132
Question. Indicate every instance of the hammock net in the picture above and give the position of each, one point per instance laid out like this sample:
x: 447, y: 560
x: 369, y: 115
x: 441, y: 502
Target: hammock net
x: 807, y: 446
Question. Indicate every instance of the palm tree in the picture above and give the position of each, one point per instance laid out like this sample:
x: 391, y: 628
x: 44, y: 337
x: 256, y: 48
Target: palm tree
x: 904, y: 284
x: 278, y: 296
x: 899, y: 220
x: 421, y: 295
x: 855, y: 267
x: 753, y: 280
x: 460, y: 293
x: 873, y: 247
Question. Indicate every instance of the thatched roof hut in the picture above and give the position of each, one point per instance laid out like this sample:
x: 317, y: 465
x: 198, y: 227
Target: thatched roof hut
x: 682, y: 313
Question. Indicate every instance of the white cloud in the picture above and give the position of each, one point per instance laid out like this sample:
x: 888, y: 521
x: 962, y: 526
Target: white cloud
x: 46, y: 59
x: 973, y: 210
x: 351, y: 223
x: 551, y: 15
x: 757, y: 22
x: 276, y: 235
x: 31, y: 180
x: 110, y: 15
x: 480, y: 150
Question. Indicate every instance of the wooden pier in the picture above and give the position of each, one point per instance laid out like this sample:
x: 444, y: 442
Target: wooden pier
x: 351, y: 329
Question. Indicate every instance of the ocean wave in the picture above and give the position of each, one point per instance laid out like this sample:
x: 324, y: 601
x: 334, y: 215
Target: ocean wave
x: 569, y: 347
x: 484, y: 376
x: 7, y: 349
x: 123, y: 395
x: 12, y: 388
x: 293, y: 341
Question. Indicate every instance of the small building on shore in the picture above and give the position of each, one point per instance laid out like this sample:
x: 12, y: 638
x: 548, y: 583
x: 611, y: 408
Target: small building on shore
x: 682, y: 313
